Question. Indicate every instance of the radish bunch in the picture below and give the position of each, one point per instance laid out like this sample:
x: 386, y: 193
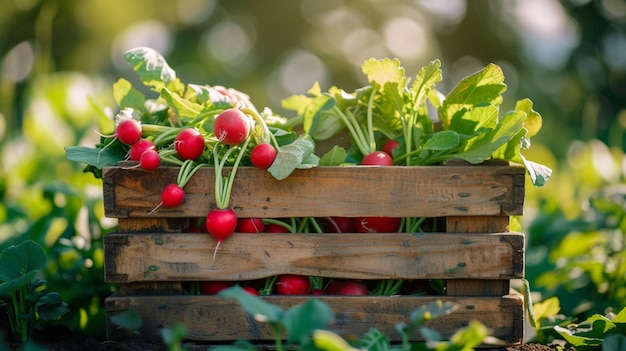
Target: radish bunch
x: 233, y: 130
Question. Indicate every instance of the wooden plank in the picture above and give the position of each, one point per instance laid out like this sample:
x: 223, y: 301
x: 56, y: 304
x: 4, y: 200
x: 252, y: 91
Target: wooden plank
x: 151, y: 288
x: 211, y: 318
x: 188, y: 256
x: 431, y: 191
x: 473, y: 287
x: 151, y: 225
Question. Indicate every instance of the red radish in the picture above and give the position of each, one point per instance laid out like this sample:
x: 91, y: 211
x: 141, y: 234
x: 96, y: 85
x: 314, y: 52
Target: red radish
x: 389, y: 146
x: 249, y: 225
x: 351, y: 287
x: 213, y: 287
x: 318, y: 292
x: 377, y: 158
x: 276, y: 228
x: 340, y: 225
x: 377, y: 224
x: 231, y: 127
x: 332, y: 287
x: 250, y: 290
x: 293, y: 284
x: 220, y: 223
x: 138, y: 148
x: 128, y: 131
x: 172, y: 196
x: 189, y: 144
x: 150, y: 160
x: 263, y: 155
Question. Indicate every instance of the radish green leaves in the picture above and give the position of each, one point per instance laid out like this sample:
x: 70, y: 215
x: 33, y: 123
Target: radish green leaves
x: 431, y: 128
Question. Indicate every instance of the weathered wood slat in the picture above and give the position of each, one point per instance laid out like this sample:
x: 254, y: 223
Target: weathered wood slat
x: 211, y: 318
x: 478, y: 224
x: 188, y: 256
x: 432, y: 191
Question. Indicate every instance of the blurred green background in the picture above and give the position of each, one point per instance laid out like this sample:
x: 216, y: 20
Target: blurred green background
x: 59, y: 58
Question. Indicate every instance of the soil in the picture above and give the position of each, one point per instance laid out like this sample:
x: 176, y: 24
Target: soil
x: 62, y: 339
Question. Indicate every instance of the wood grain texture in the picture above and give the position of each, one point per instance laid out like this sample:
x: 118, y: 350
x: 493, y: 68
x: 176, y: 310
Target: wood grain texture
x: 432, y: 191
x: 480, y: 287
x: 211, y: 318
x: 188, y: 256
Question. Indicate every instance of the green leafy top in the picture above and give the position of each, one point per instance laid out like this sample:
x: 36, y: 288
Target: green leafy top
x: 467, y: 124
x: 177, y: 106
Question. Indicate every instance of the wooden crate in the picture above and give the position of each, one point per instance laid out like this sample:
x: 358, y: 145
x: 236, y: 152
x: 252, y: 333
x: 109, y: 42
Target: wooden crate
x: 475, y: 254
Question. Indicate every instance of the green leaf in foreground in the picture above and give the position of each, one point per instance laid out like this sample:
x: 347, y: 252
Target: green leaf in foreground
x: 590, y: 332
x: 443, y: 140
x: 151, y: 67
x: 374, y: 340
x: 485, y: 86
x: 431, y: 311
x: 20, y: 259
x: 129, y: 320
x: 615, y: 342
x: 96, y: 157
x: 184, y: 108
x: 539, y: 174
x: 313, y: 111
x: 425, y: 82
x: 533, y: 120
x: 51, y: 307
x: 298, y: 154
x: 335, y: 157
x: 127, y: 96
x: 302, y: 320
x: 253, y: 305
x: 481, y: 147
x: 384, y: 71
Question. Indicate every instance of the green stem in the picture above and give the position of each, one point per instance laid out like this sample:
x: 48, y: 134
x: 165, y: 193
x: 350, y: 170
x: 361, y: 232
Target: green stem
x: 265, y: 130
x: 303, y: 225
x: 408, y: 139
x: 268, y: 286
x: 167, y: 156
x: 316, y: 282
x: 416, y: 225
x: 164, y: 135
x: 354, y: 129
x: 316, y: 225
x: 290, y: 228
x: 14, y: 313
x: 187, y: 170
x: 223, y: 190
x: 370, y: 121
x: 278, y: 336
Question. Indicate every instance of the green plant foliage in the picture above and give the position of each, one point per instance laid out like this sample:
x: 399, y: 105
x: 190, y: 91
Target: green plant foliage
x: 24, y: 297
x: 296, y: 323
x: 173, y: 337
x: 305, y: 325
x: 576, y: 241
x: 50, y: 201
x: 393, y: 108
x: 129, y: 320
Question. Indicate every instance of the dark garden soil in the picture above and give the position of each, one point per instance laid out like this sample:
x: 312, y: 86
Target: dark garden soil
x: 62, y: 339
